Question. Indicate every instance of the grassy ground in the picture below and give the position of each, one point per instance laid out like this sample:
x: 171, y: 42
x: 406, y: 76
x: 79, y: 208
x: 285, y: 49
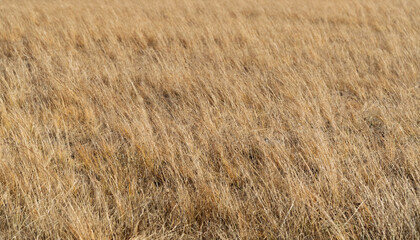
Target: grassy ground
x: 246, y: 119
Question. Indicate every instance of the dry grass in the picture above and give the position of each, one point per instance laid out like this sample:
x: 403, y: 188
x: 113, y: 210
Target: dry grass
x: 246, y: 119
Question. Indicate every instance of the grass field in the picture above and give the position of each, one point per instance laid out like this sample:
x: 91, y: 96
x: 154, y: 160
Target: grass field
x: 222, y: 119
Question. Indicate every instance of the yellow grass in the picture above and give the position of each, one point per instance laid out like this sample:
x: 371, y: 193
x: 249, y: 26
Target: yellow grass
x: 222, y: 119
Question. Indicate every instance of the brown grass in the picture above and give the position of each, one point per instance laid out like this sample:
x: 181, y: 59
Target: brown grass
x: 184, y: 119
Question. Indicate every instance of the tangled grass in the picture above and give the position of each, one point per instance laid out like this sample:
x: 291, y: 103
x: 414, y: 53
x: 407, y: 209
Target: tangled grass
x: 182, y: 119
